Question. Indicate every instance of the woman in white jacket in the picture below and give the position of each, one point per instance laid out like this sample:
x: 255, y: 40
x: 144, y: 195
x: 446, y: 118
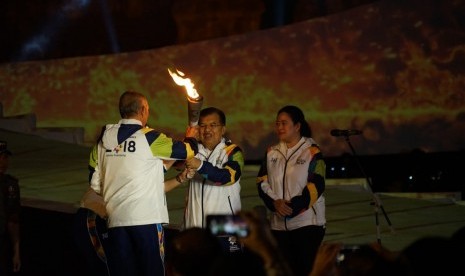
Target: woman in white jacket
x: 291, y: 182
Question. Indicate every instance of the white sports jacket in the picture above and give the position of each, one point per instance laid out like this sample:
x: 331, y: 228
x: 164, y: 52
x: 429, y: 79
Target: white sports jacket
x: 215, y: 188
x: 126, y: 168
x: 296, y: 175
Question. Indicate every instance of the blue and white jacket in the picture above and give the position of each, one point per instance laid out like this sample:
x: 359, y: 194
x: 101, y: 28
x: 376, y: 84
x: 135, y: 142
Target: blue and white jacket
x: 296, y: 175
x: 126, y: 168
x: 215, y: 188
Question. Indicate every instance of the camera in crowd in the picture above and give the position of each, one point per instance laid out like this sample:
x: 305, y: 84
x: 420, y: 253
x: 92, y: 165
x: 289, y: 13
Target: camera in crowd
x: 227, y: 225
x: 345, y: 252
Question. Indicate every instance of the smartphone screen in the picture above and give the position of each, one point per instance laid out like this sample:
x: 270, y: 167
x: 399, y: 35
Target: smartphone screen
x: 223, y: 225
x: 345, y: 252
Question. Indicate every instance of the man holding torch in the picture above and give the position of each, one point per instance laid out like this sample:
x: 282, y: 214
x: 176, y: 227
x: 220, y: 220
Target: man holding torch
x: 215, y: 187
x: 127, y: 170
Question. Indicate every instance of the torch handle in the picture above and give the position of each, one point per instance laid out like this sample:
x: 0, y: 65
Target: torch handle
x: 193, y: 110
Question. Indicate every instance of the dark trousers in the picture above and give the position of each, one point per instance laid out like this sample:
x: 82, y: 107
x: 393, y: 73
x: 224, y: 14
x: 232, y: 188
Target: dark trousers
x: 4, y: 256
x: 300, y: 246
x: 136, y: 250
x: 91, y: 238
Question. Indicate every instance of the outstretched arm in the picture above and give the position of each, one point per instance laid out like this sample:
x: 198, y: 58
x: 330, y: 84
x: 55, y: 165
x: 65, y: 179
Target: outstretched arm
x: 228, y: 174
x: 180, y: 178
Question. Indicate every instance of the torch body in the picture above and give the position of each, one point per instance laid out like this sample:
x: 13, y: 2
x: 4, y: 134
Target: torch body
x: 193, y: 110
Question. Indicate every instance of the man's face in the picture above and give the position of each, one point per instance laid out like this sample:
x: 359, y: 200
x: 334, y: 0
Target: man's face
x: 3, y: 163
x: 211, y: 130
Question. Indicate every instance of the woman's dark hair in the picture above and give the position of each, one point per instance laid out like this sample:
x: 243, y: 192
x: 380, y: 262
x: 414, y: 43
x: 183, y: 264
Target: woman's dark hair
x: 213, y: 110
x: 297, y: 116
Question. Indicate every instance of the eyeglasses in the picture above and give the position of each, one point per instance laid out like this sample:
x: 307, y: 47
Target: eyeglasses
x: 213, y: 126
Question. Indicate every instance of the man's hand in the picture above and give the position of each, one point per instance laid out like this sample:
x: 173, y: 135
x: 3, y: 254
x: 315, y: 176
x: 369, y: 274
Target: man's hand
x: 193, y: 163
x: 190, y: 173
x: 192, y: 131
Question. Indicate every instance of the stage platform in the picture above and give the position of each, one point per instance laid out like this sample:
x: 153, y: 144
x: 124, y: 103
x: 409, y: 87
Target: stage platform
x: 53, y: 177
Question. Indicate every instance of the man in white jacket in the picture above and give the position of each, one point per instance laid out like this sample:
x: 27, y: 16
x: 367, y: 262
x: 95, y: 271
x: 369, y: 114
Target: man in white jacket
x: 127, y: 169
x: 215, y: 188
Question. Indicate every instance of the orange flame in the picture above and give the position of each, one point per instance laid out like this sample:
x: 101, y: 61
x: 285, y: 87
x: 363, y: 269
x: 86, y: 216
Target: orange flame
x: 178, y: 78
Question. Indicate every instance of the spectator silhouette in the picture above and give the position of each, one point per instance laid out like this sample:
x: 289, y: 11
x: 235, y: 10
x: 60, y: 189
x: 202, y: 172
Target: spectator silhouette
x: 192, y: 252
x: 432, y: 256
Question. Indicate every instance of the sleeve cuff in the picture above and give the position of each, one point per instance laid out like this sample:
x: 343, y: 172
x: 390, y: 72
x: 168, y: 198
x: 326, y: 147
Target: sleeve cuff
x: 200, y: 167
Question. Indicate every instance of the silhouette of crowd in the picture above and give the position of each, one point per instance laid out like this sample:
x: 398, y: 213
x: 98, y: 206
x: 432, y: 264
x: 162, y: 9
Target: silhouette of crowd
x: 198, y: 252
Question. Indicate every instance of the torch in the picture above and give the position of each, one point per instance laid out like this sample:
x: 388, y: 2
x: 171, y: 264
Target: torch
x: 194, y: 100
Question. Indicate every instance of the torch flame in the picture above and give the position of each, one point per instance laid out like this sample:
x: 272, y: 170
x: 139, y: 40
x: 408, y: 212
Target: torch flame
x: 194, y: 100
x: 186, y: 82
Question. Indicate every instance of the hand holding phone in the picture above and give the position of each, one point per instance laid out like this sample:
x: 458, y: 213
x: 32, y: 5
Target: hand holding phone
x: 223, y: 225
x: 345, y: 251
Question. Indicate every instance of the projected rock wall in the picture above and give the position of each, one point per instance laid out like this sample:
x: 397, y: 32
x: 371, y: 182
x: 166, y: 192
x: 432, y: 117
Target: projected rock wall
x: 393, y: 69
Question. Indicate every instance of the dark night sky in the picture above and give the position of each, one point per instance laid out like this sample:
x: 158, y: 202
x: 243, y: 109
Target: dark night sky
x: 50, y: 29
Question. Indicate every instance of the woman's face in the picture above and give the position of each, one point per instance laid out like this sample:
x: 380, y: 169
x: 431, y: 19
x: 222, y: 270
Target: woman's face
x: 286, y: 130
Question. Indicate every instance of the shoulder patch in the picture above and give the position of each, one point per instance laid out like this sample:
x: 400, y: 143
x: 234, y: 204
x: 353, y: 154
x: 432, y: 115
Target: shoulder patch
x: 314, y: 149
x: 146, y: 130
x: 231, y: 148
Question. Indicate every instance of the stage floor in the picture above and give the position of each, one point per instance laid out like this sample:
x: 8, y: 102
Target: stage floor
x: 53, y: 177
